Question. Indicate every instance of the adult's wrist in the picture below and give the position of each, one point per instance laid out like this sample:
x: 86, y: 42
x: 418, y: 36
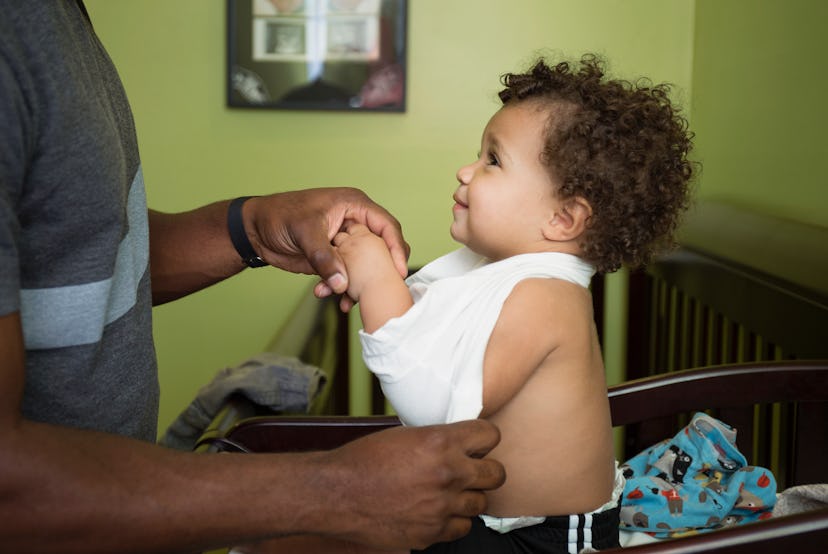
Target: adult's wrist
x: 238, y: 236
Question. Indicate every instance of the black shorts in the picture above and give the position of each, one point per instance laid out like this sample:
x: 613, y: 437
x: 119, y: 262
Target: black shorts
x: 556, y: 535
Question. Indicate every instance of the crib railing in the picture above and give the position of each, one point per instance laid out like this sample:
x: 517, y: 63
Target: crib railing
x: 742, y: 288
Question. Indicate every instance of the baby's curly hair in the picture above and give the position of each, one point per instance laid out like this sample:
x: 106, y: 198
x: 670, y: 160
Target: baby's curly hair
x: 621, y: 146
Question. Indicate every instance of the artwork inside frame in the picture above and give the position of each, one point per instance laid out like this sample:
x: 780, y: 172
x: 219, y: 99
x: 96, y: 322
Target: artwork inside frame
x: 345, y: 55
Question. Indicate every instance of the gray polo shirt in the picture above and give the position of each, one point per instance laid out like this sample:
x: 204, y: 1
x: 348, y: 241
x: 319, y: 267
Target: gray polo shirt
x: 74, y: 242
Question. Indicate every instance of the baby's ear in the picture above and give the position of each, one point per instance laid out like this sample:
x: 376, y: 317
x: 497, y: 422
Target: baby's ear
x: 569, y: 221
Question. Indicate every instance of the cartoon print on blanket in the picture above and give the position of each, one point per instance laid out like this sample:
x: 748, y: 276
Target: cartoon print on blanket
x: 695, y: 482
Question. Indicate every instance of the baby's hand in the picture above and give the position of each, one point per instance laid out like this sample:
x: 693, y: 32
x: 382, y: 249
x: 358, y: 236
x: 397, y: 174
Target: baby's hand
x: 366, y: 257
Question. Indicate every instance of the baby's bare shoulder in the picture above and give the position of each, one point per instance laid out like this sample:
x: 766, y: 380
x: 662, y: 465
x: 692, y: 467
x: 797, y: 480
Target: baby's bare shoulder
x: 547, y: 312
x: 550, y: 299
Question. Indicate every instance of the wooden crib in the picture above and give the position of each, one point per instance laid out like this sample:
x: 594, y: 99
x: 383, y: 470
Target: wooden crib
x: 734, y: 323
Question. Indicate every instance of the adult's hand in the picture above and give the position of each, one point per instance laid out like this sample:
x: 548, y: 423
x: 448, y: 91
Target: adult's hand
x: 293, y: 231
x: 414, y: 486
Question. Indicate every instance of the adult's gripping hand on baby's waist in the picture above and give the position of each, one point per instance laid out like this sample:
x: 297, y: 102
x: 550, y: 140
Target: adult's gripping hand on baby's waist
x: 409, y: 487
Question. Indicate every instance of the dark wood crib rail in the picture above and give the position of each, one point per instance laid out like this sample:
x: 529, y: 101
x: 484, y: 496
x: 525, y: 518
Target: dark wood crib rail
x: 802, y: 383
x: 742, y: 288
x: 719, y: 390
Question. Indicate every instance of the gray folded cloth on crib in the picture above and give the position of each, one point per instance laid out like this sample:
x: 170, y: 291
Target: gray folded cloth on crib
x: 802, y: 498
x: 282, y: 384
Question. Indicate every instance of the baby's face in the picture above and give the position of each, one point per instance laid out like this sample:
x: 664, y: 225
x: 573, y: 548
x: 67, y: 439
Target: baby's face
x: 506, y: 195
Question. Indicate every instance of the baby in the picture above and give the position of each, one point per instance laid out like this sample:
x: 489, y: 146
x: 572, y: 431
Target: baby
x: 576, y: 174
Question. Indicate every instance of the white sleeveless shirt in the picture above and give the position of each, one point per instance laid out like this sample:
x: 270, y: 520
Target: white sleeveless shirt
x: 429, y: 361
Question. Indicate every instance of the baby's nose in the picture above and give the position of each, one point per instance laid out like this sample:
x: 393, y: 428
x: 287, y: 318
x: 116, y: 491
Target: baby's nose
x: 464, y: 174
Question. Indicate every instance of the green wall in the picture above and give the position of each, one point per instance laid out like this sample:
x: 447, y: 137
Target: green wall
x: 759, y: 104
x: 195, y: 150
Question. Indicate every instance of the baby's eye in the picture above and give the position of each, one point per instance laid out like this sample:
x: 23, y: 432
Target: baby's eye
x: 492, y: 159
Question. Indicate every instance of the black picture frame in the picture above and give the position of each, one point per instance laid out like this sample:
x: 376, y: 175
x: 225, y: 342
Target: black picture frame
x: 346, y: 55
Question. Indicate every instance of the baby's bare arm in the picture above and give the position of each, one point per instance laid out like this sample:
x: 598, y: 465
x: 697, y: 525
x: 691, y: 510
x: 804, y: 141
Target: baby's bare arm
x: 523, y: 337
x: 373, y: 278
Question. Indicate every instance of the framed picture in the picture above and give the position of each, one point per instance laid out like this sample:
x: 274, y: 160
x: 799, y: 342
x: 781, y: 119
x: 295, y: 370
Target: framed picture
x: 317, y: 54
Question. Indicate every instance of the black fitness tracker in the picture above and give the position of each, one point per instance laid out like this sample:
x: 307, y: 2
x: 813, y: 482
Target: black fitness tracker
x: 235, y: 225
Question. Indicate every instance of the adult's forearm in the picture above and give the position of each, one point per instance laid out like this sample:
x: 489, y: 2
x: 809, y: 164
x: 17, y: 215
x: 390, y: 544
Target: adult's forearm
x: 65, y: 490
x: 190, y: 251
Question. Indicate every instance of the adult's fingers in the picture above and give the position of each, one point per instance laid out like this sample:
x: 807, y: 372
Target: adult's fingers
x: 455, y: 528
x: 346, y: 303
x: 325, y: 261
x: 399, y: 253
x: 384, y: 225
x: 322, y: 290
x: 470, y: 503
x: 487, y: 474
x: 476, y: 436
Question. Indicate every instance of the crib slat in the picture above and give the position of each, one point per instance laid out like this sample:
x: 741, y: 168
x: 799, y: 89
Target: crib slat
x: 810, y: 443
